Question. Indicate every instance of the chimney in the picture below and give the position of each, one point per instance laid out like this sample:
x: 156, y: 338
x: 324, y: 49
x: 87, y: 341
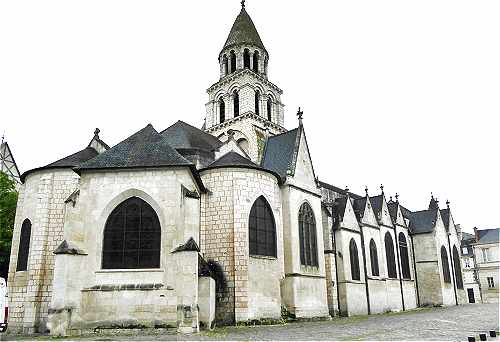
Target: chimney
x: 476, y: 234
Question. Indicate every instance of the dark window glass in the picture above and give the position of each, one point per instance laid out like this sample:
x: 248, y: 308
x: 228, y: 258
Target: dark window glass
x: 354, y: 258
x: 374, y: 258
x: 389, y: 254
x: 246, y: 59
x: 256, y: 61
x: 236, y: 103
x: 269, y: 109
x: 446, y: 266
x: 403, y: 253
x: 262, y: 230
x: 257, y: 102
x: 226, y: 65
x: 132, y: 236
x: 222, y: 111
x: 458, y: 269
x: 24, y: 246
x: 307, y: 236
x: 233, y: 61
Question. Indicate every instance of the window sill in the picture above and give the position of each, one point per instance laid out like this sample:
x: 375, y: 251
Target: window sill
x: 265, y: 257
x: 129, y: 270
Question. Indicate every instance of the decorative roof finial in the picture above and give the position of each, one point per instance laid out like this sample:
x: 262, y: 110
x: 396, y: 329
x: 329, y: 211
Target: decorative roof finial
x: 242, y: 3
x: 448, y: 204
x: 96, y: 132
x: 346, y: 188
x: 300, y: 113
x: 390, y: 198
x: 397, y: 197
x: 366, y: 190
x: 432, y: 195
x: 382, y: 188
x: 3, y: 137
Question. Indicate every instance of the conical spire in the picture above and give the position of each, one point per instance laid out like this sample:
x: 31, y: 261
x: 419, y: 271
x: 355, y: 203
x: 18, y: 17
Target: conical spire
x: 243, y: 31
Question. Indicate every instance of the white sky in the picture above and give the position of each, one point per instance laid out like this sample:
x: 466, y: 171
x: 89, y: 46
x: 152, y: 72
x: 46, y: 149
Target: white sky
x: 404, y: 93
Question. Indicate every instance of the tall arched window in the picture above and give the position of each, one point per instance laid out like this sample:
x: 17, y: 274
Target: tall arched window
x: 403, y: 253
x: 132, y: 236
x: 257, y: 102
x: 236, y: 103
x: 24, y: 246
x: 445, y: 264
x: 226, y: 65
x: 246, y: 59
x: 232, y: 56
x: 389, y: 254
x: 269, y: 109
x: 256, y: 61
x: 374, y: 258
x: 222, y: 110
x: 307, y: 236
x: 354, y: 259
x: 458, y: 269
x: 261, y: 229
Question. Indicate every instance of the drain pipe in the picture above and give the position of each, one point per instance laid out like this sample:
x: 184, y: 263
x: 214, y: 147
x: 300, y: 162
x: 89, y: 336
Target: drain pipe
x: 364, y: 268
x: 414, y: 268
x: 399, y: 267
x: 334, y: 246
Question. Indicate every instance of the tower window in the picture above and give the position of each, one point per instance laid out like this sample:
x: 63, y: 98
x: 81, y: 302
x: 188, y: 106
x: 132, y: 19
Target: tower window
x: 24, y: 246
x: 226, y: 65
x: 236, y: 103
x: 246, y: 59
x: 257, y: 102
x: 269, y: 109
x: 222, y: 111
x: 233, y: 61
x: 256, y: 61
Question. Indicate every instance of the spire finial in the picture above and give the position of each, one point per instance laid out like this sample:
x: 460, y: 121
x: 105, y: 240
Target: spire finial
x: 397, y: 197
x: 382, y: 188
x: 300, y: 113
x: 242, y: 3
x: 3, y: 137
x: 366, y: 190
x: 432, y: 195
x: 346, y: 188
x: 96, y: 132
x: 448, y: 204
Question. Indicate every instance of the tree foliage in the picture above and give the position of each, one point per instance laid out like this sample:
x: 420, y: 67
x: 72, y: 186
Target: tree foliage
x: 8, y: 202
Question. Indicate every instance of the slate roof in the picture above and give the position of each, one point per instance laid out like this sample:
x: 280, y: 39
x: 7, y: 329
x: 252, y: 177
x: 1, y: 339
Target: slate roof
x: 243, y: 32
x: 359, y: 207
x: 338, y: 190
x: 146, y: 148
x: 422, y: 221
x: 393, y: 210
x: 339, y: 210
x: 232, y: 159
x: 184, y: 136
x: 489, y: 236
x: 281, y: 151
x: 445, y: 214
x: 377, y: 202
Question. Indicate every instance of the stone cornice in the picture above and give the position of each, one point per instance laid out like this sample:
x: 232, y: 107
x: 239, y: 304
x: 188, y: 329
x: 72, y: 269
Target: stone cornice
x: 231, y: 77
x: 244, y: 116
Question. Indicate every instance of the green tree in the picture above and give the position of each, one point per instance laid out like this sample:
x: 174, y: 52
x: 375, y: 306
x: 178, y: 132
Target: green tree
x: 8, y: 202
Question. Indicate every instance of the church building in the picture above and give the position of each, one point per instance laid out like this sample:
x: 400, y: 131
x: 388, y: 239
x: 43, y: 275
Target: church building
x: 183, y: 227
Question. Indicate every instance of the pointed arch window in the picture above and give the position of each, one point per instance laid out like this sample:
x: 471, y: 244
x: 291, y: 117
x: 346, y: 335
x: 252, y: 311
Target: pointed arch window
x: 232, y: 57
x: 307, y: 236
x: 374, y: 258
x: 262, y: 229
x: 246, y: 59
x: 236, y: 103
x: 269, y: 109
x: 445, y: 264
x: 354, y: 259
x: 458, y: 269
x: 132, y: 237
x: 222, y: 110
x: 389, y: 254
x: 256, y: 61
x: 24, y: 246
x: 403, y: 253
x: 257, y: 102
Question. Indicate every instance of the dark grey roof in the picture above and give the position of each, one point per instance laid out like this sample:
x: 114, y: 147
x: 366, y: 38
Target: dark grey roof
x: 281, y: 151
x: 377, y: 202
x: 422, y: 221
x: 445, y: 214
x: 359, y: 207
x: 338, y: 190
x: 489, y: 235
x: 146, y: 148
x: 184, y: 136
x: 434, y: 203
x: 232, y: 159
x: 467, y: 236
x: 339, y: 210
x: 393, y: 210
x: 243, y: 32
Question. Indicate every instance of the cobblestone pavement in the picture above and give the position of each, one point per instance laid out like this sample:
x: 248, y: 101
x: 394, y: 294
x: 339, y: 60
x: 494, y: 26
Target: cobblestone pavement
x: 450, y: 323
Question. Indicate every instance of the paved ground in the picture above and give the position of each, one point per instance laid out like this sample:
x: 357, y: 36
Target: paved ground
x: 451, y: 323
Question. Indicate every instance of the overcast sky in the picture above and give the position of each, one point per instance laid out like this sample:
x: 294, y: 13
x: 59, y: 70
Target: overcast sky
x: 404, y: 93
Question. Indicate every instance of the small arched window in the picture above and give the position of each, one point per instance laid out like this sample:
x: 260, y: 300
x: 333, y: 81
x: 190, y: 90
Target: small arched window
x: 307, y: 236
x: 256, y: 61
x: 374, y: 258
x: 24, y: 246
x: 458, y: 269
x: 132, y: 236
x: 232, y: 56
x: 354, y: 259
x: 262, y: 230
x: 226, y: 65
x: 246, y: 59
x: 389, y: 254
x: 222, y: 110
x: 257, y: 102
x: 236, y: 103
x: 446, y: 265
x: 269, y: 109
x: 403, y: 253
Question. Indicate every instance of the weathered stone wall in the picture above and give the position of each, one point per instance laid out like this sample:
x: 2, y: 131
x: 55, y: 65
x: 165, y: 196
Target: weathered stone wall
x: 41, y: 201
x: 251, y: 289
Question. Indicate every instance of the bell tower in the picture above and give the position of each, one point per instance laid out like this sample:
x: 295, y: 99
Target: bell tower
x: 244, y: 101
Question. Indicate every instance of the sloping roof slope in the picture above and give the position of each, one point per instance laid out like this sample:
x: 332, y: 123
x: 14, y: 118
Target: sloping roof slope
x: 281, y: 152
x: 233, y: 159
x: 445, y: 214
x: 489, y: 235
x: 146, y: 148
x: 184, y: 136
x: 377, y: 202
x: 75, y: 159
x: 423, y: 221
x: 243, y: 32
